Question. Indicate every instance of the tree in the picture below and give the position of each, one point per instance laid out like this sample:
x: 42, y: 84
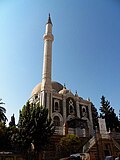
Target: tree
x: 108, y: 113
x: 34, y: 129
x: 94, y: 116
x: 11, y: 131
x: 12, y: 122
x: 3, y: 118
x: 5, y: 132
x: 4, y: 137
x: 69, y: 145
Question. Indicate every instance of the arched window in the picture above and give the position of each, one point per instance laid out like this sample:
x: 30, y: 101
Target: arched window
x: 56, y: 106
x: 56, y: 121
x: 84, y: 112
x: 36, y: 96
x: 71, y: 107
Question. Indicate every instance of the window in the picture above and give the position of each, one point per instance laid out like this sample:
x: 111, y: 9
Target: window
x: 84, y: 110
x: 71, y: 106
x: 56, y: 106
x: 56, y: 121
x: 84, y: 113
x: 71, y: 109
x: 36, y: 96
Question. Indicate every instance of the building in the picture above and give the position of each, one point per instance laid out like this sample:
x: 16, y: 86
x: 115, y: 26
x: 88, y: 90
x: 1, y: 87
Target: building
x: 70, y: 113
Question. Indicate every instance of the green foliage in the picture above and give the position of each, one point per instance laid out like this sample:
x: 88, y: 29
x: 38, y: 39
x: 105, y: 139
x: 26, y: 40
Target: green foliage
x: 108, y: 113
x: 4, y: 137
x: 12, y: 122
x: 34, y: 129
x: 94, y: 116
x: 69, y: 145
x: 4, y: 140
x: 3, y: 118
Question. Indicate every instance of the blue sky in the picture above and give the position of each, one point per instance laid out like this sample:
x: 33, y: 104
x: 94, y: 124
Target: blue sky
x: 86, y: 50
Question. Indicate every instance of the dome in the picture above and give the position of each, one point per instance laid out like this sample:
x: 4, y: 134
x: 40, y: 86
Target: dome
x: 36, y: 89
x: 55, y: 86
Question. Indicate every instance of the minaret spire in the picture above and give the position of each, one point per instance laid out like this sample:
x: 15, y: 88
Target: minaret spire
x: 49, y: 19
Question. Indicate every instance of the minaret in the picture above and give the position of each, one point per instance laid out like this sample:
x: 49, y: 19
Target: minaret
x: 46, y: 86
x: 47, y: 61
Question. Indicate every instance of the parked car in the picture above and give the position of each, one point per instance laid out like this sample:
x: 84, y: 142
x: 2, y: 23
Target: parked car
x: 81, y: 156
x: 78, y: 156
x: 109, y: 158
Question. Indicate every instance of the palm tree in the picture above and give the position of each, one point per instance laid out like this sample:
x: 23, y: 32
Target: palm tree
x: 3, y: 118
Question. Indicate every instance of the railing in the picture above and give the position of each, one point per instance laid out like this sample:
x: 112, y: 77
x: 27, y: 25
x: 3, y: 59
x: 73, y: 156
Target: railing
x: 71, y: 131
x: 89, y: 144
x: 116, y: 144
x: 115, y: 135
x: 110, y: 136
x: 105, y: 136
x: 58, y: 130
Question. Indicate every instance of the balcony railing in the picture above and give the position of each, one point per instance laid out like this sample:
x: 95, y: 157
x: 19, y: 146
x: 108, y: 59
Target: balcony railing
x: 58, y: 130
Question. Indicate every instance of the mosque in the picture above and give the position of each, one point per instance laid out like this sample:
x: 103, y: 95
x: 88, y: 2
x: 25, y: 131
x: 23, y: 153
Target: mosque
x: 70, y: 113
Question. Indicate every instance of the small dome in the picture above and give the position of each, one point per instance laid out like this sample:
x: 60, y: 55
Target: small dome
x: 55, y: 86
x: 66, y: 91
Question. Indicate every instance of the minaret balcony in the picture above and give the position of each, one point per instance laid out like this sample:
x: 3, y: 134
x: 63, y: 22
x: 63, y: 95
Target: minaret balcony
x: 48, y: 37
